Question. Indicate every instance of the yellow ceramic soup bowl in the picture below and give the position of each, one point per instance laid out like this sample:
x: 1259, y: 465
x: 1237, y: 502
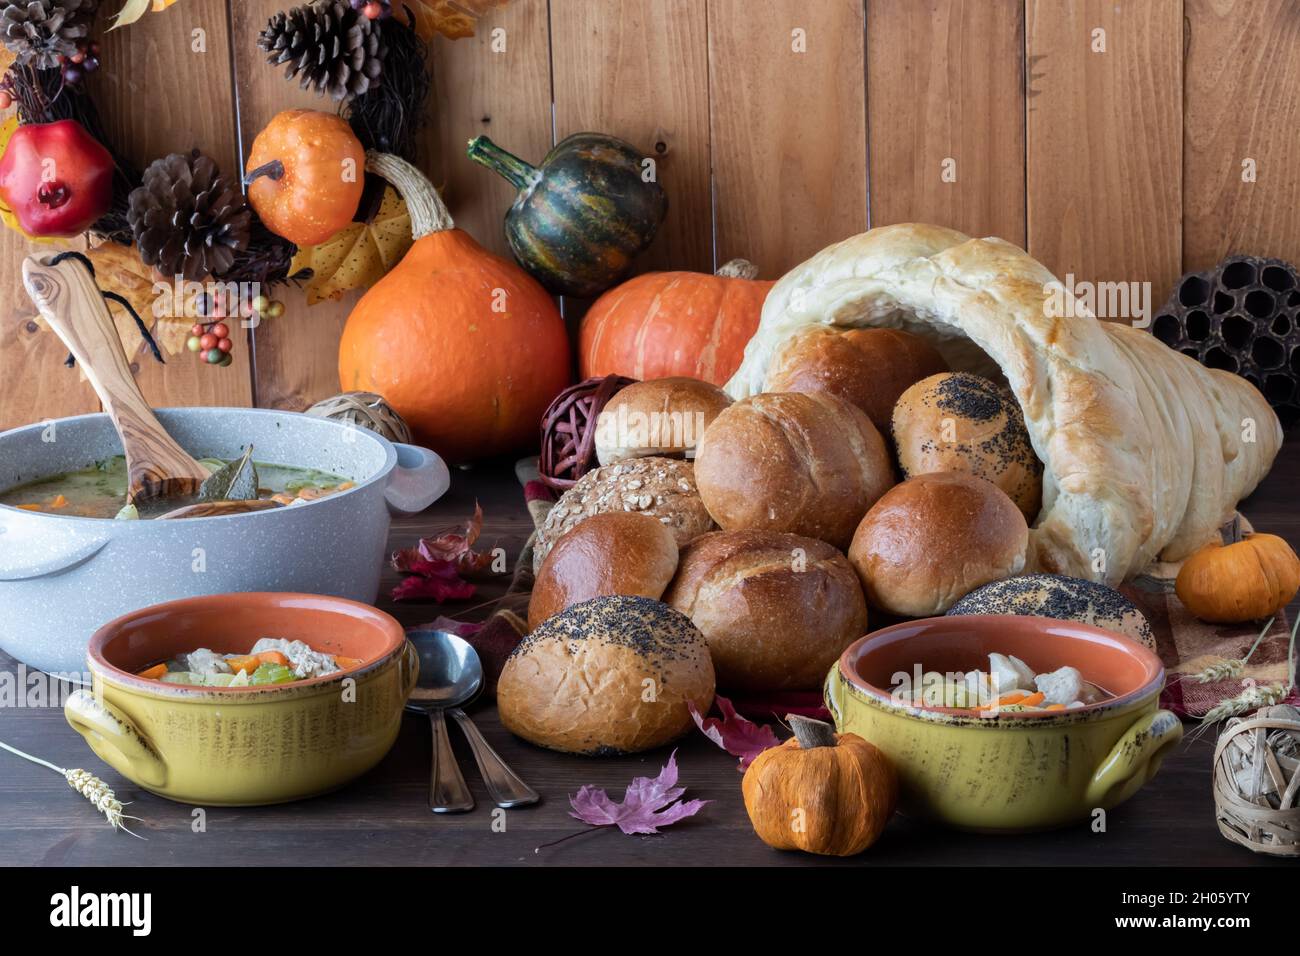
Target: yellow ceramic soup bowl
x: 1013, y: 772
x: 233, y: 746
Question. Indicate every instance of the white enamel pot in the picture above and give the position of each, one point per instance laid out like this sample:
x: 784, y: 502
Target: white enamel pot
x: 62, y: 577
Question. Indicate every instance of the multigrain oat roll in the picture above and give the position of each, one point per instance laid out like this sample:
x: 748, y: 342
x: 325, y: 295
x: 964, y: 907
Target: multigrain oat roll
x: 663, y: 488
x: 806, y: 464
x: 612, y: 675
x: 956, y: 421
x: 777, y: 609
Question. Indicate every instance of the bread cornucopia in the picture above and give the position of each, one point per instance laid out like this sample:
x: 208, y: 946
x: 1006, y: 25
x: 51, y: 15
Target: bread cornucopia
x: 1145, y: 451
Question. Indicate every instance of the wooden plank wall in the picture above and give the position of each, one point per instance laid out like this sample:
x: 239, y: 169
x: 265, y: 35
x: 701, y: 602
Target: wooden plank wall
x: 1115, y: 141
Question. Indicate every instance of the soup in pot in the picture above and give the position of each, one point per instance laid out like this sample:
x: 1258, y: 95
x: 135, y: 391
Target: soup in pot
x: 100, y: 490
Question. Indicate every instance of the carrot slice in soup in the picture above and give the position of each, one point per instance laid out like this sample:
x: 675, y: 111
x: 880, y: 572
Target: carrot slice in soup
x: 153, y: 673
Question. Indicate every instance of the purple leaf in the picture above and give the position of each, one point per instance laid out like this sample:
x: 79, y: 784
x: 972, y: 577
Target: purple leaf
x: 736, y: 735
x: 649, y: 803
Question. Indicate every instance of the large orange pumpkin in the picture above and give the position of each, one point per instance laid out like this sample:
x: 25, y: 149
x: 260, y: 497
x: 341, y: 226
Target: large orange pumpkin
x: 465, y: 345
x: 662, y: 324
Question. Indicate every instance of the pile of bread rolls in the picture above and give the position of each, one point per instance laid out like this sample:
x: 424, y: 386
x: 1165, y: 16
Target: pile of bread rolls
x: 742, y: 543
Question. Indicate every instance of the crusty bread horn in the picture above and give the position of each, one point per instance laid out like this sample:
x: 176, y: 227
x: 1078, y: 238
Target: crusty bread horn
x: 1146, y: 452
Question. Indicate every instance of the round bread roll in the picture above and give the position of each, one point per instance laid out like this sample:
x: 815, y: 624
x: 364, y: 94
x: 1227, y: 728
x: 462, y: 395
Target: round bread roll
x: 1063, y: 598
x: 612, y: 675
x: 663, y: 488
x: 777, y: 609
x: 808, y: 464
x: 956, y: 421
x: 622, y: 552
x: 869, y: 368
x: 933, y: 539
x: 662, y: 416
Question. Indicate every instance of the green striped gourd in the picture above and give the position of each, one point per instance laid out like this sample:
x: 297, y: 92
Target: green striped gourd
x: 583, y: 215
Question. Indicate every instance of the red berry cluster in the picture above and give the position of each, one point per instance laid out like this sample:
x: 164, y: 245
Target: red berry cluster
x: 210, y: 336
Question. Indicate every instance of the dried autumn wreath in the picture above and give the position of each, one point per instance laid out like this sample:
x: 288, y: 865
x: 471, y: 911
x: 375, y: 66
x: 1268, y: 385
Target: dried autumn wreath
x: 182, y: 218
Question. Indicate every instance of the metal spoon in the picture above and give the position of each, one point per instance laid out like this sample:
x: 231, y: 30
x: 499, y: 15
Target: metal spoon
x: 451, y: 675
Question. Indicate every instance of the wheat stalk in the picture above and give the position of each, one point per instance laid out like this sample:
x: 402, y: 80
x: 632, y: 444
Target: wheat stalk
x: 1265, y: 695
x: 1229, y: 667
x: 89, y: 786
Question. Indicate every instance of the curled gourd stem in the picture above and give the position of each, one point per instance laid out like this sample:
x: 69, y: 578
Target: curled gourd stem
x: 738, y: 269
x: 811, y: 733
x: 428, y: 212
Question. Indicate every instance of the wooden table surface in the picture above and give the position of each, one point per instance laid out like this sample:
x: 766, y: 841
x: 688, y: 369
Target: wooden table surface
x: 383, y: 818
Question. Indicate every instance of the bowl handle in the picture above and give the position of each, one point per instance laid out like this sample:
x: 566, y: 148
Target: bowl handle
x: 832, y: 693
x: 419, y: 479
x: 1134, y: 759
x: 115, y: 739
x: 409, y: 669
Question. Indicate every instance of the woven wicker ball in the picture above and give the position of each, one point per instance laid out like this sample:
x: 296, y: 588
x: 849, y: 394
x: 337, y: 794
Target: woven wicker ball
x: 569, y: 430
x: 365, y: 410
x: 1257, y: 781
x: 1243, y: 316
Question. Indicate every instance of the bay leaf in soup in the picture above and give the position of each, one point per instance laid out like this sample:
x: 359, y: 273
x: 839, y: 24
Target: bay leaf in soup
x: 236, y: 481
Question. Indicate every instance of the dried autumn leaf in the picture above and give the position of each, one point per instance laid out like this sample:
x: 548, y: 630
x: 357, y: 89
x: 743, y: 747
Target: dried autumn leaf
x: 735, y: 734
x: 118, y: 269
x: 648, y: 804
x: 7, y: 57
x: 133, y: 10
x: 454, y: 19
x: 357, y: 257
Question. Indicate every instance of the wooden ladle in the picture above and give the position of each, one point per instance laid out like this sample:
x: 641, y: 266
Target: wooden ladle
x: 72, y: 305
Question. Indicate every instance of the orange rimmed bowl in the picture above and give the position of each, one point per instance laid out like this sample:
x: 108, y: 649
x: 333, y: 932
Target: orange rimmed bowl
x: 1012, y: 772
x: 240, y: 746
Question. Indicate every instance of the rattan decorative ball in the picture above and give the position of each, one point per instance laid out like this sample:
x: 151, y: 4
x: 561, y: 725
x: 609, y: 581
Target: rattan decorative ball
x: 365, y: 410
x: 1257, y: 781
x: 1242, y: 316
x: 569, y: 430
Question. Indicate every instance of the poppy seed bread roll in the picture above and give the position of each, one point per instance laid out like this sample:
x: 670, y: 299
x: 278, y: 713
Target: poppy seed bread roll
x: 612, y: 675
x: 622, y: 552
x: 806, y: 464
x: 869, y: 368
x: 1064, y: 599
x: 956, y: 421
x: 935, y: 538
x: 777, y: 609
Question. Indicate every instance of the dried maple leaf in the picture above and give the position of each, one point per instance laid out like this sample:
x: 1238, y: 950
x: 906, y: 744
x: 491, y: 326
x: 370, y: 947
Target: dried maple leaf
x: 454, y: 19
x: 357, y: 257
x: 735, y: 734
x: 433, y: 579
x: 133, y: 10
x: 452, y: 545
x: 118, y: 268
x: 647, y: 805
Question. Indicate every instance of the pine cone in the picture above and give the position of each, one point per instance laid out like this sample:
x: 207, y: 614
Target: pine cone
x: 38, y: 32
x: 337, y: 49
x: 187, y: 218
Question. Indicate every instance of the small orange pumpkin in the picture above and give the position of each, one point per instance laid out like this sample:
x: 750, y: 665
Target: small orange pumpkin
x: 665, y: 324
x: 1244, y: 580
x: 466, y: 346
x: 305, y: 175
x: 820, y: 792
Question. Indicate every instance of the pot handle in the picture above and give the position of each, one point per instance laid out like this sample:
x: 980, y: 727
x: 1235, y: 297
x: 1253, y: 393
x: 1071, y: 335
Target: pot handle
x: 419, y: 479
x: 21, y: 559
x: 116, y: 740
x: 1134, y: 759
